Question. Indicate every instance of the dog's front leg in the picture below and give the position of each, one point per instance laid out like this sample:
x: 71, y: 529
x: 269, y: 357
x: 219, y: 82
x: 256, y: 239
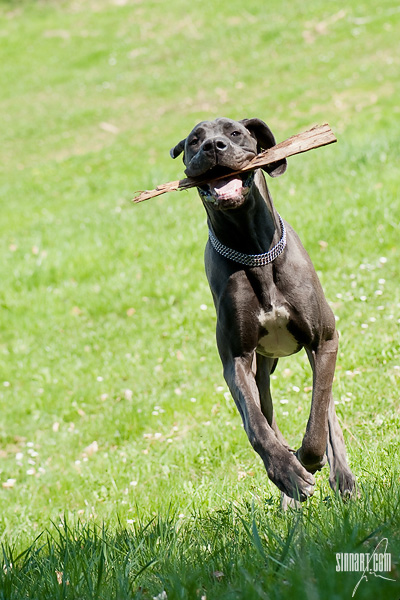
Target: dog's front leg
x: 281, y: 465
x: 323, y: 360
x: 323, y: 426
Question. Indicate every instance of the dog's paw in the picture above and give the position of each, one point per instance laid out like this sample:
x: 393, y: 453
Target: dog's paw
x: 286, y: 472
x: 311, y: 464
x: 287, y: 503
x: 344, y: 482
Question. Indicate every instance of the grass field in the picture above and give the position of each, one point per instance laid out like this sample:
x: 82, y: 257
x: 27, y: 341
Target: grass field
x: 124, y: 469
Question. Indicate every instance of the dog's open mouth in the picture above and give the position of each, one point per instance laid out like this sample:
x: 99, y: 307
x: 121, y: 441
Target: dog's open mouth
x: 223, y: 188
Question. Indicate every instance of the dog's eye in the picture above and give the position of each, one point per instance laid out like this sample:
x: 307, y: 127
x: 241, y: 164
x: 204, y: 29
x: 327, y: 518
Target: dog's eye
x: 235, y: 133
x: 193, y: 142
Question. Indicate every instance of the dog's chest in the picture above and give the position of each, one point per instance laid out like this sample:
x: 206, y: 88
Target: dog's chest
x: 275, y: 339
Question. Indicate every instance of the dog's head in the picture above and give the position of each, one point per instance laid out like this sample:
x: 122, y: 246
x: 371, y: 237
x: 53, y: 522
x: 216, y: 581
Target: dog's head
x: 216, y: 148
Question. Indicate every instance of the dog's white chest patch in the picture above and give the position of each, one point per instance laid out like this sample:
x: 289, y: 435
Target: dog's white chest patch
x: 275, y: 340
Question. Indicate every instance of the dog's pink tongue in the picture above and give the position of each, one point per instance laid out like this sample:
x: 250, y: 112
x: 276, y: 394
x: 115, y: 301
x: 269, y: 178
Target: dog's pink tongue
x: 227, y: 188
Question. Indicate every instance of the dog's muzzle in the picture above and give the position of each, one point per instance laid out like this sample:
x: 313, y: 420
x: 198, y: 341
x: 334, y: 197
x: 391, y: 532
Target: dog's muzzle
x: 228, y: 192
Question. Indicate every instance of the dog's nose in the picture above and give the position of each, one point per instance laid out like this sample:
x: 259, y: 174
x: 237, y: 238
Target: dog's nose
x: 218, y: 144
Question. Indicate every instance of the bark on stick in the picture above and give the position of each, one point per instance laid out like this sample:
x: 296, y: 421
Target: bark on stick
x: 320, y: 135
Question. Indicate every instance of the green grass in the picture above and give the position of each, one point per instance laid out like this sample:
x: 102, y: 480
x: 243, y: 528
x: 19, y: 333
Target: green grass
x: 104, y: 334
x: 238, y: 551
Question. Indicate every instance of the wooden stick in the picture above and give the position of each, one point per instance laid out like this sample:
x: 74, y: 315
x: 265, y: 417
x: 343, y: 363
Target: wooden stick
x: 320, y: 135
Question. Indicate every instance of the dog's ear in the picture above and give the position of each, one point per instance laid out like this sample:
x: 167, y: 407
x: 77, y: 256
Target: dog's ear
x: 178, y: 149
x: 265, y: 139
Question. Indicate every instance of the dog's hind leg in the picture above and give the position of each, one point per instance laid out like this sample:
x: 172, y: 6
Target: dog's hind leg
x: 340, y: 478
x: 264, y: 369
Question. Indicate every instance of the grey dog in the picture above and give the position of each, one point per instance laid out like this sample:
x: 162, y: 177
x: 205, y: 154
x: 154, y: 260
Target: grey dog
x: 269, y: 303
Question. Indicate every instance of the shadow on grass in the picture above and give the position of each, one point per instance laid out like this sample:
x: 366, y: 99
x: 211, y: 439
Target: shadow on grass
x: 243, y: 551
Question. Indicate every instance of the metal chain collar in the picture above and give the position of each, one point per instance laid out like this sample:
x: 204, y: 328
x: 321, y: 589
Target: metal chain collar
x: 250, y: 260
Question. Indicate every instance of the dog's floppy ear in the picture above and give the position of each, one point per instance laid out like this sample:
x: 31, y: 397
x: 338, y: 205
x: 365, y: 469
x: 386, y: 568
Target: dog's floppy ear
x: 178, y: 149
x: 265, y: 139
